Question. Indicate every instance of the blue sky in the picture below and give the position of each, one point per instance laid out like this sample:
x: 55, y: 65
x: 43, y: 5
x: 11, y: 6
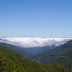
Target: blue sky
x: 52, y: 18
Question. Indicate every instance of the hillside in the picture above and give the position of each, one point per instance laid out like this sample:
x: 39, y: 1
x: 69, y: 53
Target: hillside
x: 11, y: 61
x: 66, y: 60
x: 38, y: 50
x: 49, y: 55
x: 16, y: 49
x: 27, y: 52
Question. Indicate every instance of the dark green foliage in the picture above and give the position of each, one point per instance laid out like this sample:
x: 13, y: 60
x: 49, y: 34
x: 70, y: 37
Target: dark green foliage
x: 16, y: 49
x: 11, y: 61
x: 66, y: 60
x: 50, y: 55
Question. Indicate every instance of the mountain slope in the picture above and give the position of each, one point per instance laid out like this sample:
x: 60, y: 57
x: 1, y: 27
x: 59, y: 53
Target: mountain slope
x: 38, y: 50
x: 16, y: 49
x: 11, y: 61
x: 42, y: 49
x: 50, y: 55
x: 66, y: 60
x: 27, y: 52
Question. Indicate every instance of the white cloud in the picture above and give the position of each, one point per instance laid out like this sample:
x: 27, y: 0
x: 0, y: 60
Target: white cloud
x: 34, y: 41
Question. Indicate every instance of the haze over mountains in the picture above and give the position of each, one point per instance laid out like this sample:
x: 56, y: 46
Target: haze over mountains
x: 28, y: 42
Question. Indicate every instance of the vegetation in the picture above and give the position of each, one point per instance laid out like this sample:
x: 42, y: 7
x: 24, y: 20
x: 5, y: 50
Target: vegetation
x: 11, y: 61
x: 66, y: 60
x: 52, y: 54
x: 38, y: 50
x: 16, y: 49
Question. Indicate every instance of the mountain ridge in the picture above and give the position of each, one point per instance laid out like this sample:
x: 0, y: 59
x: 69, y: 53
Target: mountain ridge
x: 11, y: 61
x: 49, y: 55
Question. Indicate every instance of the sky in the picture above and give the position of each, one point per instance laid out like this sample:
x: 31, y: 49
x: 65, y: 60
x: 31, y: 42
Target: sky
x: 48, y: 18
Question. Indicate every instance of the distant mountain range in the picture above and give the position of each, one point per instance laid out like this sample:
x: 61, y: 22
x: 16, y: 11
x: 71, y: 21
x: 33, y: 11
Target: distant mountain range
x: 52, y: 54
x: 11, y: 61
x: 29, y: 47
x: 59, y: 51
x: 27, y: 52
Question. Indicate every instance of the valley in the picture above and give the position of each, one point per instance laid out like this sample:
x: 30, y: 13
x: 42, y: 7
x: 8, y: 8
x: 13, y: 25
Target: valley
x: 41, y: 57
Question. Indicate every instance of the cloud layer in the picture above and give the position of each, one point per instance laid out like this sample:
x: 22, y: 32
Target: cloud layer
x: 34, y: 41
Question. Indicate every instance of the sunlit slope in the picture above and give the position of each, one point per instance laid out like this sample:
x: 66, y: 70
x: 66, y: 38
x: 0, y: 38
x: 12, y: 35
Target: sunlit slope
x: 16, y: 49
x: 11, y: 61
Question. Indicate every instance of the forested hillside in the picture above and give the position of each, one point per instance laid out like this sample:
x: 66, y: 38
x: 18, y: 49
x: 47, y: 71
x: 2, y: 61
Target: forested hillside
x: 11, y: 61
x: 52, y: 54
x: 16, y: 49
x: 66, y: 60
